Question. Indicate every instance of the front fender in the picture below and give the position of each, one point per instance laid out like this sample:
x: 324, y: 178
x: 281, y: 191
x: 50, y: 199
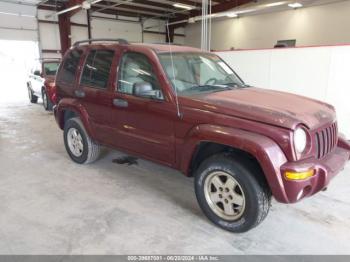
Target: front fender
x: 269, y: 155
x: 72, y: 105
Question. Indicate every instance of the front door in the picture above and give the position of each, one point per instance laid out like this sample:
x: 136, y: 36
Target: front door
x: 143, y: 125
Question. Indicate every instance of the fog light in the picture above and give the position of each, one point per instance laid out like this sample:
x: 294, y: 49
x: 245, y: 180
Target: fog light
x: 299, y: 175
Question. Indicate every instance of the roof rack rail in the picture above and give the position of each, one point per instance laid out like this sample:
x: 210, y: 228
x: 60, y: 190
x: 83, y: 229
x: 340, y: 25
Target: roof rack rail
x: 119, y: 40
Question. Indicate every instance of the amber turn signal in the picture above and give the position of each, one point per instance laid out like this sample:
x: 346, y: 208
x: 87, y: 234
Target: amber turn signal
x: 299, y: 175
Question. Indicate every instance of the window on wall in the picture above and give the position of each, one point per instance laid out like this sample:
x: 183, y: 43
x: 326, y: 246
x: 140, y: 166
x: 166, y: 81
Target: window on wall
x: 97, y: 68
x: 70, y: 66
x: 285, y: 43
x: 135, y: 68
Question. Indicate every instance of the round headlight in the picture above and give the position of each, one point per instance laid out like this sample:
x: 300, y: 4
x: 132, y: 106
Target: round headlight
x: 300, y: 140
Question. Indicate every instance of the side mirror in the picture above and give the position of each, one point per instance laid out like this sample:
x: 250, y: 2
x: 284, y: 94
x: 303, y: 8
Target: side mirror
x: 144, y: 89
x: 37, y: 73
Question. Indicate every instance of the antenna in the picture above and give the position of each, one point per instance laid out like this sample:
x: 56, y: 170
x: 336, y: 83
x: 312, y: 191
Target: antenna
x: 173, y: 70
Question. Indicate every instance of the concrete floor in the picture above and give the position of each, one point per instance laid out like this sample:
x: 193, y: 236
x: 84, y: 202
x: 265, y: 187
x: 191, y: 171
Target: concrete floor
x: 49, y: 205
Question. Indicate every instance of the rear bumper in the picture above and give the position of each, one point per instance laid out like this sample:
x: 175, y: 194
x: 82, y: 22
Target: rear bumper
x: 324, y: 170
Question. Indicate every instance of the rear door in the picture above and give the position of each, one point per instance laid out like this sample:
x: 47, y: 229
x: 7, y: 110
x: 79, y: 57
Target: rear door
x: 94, y: 89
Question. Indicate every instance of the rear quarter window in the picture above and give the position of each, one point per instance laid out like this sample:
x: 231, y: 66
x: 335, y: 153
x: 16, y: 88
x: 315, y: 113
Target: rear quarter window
x: 69, y: 66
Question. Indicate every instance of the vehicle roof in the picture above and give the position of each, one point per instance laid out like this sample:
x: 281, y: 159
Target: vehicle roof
x: 159, y: 48
x: 166, y: 47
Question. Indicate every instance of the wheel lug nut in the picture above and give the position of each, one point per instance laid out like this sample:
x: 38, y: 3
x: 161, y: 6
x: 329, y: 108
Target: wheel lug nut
x: 226, y: 201
x: 220, y: 196
x: 220, y: 188
x: 230, y: 197
x: 226, y: 189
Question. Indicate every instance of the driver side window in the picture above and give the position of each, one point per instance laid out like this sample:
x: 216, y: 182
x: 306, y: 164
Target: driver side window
x: 135, y: 68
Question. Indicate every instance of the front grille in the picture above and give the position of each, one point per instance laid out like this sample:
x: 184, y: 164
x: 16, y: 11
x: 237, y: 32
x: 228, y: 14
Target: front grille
x: 326, y: 140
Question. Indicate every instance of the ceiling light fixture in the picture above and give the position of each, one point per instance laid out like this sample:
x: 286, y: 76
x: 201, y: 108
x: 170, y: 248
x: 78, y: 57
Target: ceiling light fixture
x: 231, y: 15
x: 276, y: 4
x: 295, y: 5
x: 183, y: 6
x: 244, y: 11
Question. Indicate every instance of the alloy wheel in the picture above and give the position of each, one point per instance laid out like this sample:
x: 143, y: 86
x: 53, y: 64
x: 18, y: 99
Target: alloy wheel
x: 75, y: 142
x: 224, y: 195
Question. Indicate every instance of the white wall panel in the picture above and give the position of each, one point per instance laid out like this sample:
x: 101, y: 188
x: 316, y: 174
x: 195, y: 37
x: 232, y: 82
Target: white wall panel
x: 102, y: 28
x: 153, y: 38
x: 302, y: 71
x: 18, y: 22
x: 338, y: 91
x: 15, y: 7
x: 18, y: 34
x: 49, y: 36
x: 249, y: 61
x: 318, y: 72
x: 316, y: 25
x: 80, y: 17
x: 78, y: 33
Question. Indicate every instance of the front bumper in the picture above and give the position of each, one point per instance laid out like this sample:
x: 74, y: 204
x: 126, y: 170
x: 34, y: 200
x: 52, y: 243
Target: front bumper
x: 324, y: 170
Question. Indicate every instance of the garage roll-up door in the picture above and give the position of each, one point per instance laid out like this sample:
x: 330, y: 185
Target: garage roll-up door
x: 18, y: 22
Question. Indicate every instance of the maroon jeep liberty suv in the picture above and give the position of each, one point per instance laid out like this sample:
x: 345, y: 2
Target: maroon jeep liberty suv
x: 187, y: 109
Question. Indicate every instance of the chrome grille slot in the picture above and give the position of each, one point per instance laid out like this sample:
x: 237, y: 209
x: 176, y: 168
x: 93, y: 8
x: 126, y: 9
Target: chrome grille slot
x: 326, y: 140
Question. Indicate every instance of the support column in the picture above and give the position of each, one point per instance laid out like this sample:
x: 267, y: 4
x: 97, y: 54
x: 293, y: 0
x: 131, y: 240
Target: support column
x: 88, y: 18
x: 65, y: 31
x: 169, y: 34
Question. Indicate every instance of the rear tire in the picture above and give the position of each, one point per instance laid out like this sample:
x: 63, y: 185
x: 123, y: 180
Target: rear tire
x: 32, y: 98
x: 80, y: 147
x: 46, y: 101
x: 233, y: 195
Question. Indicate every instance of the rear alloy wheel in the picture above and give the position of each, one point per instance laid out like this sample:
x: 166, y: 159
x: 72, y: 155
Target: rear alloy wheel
x: 46, y: 101
x: 80, y: 147
x: 232, y: 193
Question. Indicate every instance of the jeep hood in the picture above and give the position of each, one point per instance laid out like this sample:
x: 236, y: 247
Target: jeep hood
x: 266, y: 106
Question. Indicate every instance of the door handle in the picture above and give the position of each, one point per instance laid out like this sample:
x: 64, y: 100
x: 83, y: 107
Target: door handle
x: 120, y: 102
x: 79, y: 93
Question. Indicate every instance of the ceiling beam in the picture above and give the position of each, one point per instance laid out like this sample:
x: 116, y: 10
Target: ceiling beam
x: 137, y: 5
x: 121, y: 13
x: 132, y: 9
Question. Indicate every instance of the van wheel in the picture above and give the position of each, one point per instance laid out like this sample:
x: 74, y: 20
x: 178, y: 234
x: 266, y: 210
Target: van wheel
x: 46, y: 101
x: 32, y: 98
x: 80, y: 147
x: 230, y: 193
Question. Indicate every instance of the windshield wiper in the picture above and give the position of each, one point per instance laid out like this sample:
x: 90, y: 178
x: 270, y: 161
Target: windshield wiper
x: 208, y: 87
x: 235, y: 85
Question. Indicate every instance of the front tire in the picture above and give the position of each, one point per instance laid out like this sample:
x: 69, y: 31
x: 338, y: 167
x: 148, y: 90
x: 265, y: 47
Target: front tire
x: 231, y: 194
x: 46, y: 101
x: 80, y: 147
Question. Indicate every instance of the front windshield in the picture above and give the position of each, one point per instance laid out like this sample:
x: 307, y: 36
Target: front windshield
x: 51, y: 68
x: 193, y: 73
